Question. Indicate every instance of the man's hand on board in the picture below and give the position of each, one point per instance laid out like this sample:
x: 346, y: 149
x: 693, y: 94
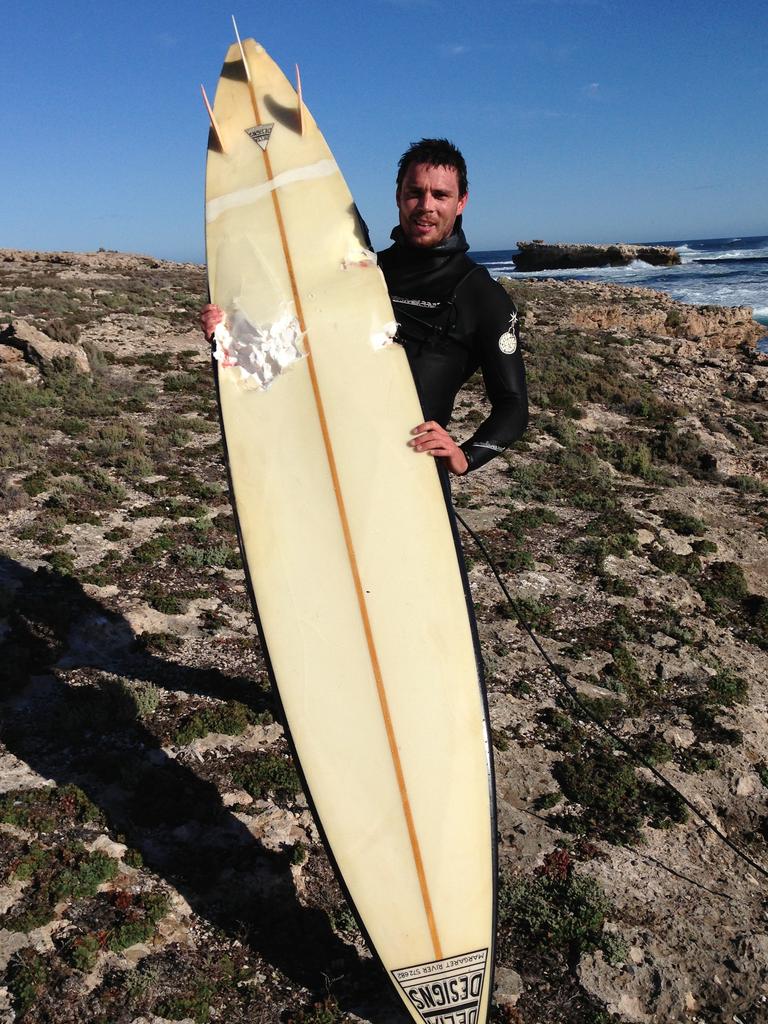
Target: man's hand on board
x: 435, y: 440
x: 210, y: 317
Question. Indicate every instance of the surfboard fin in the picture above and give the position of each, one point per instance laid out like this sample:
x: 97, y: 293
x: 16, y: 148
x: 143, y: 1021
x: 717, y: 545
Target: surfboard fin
x: 242, y: 51
x: 301, y: 101
x: 214, y: 123
x: 248, y: 78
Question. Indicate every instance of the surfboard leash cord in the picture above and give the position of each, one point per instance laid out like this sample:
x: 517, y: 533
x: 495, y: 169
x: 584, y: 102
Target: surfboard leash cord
x: 573, y: 693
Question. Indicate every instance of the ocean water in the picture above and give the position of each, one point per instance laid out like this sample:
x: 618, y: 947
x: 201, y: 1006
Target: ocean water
x: 714, y: 271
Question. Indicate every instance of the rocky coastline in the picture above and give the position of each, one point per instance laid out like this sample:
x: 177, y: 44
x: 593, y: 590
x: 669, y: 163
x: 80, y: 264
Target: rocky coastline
x: 540, y: 255
x: 157, y: 858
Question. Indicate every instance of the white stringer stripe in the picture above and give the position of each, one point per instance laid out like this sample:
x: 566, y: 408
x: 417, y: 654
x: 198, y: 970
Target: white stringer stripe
x: 215, y: 207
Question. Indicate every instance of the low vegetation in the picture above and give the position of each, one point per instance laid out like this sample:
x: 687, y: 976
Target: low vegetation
x: 165, y: 815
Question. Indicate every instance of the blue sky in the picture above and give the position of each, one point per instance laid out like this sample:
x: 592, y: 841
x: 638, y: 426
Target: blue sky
x: 581, y: 120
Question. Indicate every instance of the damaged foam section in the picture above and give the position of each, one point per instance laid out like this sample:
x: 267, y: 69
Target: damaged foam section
x: 261, y: 354
x: 385, y: 336
x: 358, y: 258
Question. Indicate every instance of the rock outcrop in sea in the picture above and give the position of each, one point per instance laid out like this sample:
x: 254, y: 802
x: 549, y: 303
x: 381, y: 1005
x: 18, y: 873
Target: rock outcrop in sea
x: 157, y: 857
x: 539, y: 255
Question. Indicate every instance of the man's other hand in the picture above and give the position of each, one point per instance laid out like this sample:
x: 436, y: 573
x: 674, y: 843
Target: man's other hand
x: 433, y: 439
x: 210, y: 317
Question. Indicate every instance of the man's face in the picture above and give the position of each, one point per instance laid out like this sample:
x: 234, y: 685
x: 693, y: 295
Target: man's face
x: 429, y: 203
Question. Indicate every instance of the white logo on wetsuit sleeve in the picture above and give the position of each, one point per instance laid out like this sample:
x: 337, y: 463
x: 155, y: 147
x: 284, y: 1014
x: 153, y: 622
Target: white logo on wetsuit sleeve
x: 508, y: 340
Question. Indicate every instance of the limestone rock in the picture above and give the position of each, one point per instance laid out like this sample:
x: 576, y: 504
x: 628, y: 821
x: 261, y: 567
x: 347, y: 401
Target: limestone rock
x: 103, y: 844
x: 538, y: 255
x: 153, y: 1019
x: 641, y: 994
x: 237, y: 796
x: 10, y: 942
x: 634, y: 312
x: 508, y: 987
x: 715, y: 326
x: 37, y: 348
x: 678, y: 737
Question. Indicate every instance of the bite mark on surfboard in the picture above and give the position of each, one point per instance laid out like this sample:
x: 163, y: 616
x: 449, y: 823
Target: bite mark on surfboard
x: 447, y: 991
x: 261, y: 353
x: 358, y: 258
x: 385, y: 336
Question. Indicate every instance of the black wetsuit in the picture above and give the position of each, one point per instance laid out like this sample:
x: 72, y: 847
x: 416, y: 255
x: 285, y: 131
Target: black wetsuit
x: 453, y: 318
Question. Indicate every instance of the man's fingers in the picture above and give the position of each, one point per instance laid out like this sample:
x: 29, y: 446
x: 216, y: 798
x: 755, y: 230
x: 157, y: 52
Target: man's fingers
x: 210, y: 317
x: 434, y: 444
x: 427, y: 431
x: 424, y: 428
x: 432, y: 439
x: 435, y: 448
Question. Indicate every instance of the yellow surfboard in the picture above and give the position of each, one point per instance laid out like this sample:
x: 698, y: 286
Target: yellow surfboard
x: 350, y: 552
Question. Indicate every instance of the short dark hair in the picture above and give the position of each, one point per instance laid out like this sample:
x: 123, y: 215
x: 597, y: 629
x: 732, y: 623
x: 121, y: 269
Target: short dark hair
x: 434, y: 153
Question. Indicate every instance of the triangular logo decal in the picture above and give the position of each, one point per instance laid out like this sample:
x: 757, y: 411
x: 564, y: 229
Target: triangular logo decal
x: 260, y: 134
x: 446, y: 991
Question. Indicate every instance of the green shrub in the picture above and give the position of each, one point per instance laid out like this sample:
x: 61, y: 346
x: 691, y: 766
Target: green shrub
x: 45, y: 810
x: 146, y: 697
x: 231, y: 719
x: 64, y: 331
x: 159, y: 643
x: 683, y: 448
x: 153, y: 550
x: 704, y: 547
x: 215, y: 556
x: 726, y: 688
x: 27, y: 977
x: 36, y: 482
x: 536, y: 614
x: 614, y: 802
x: 66, y: 872
x: 680, y: 522
x: 555, y: 909
x: 629, y: 457
x: 756, y: 607
x: 623, y: 673
x: 163, y: 600
x: 722, y: 585
x: 687, y: 566
x: 81, y: 951
x: 268, y: 773
x: 326, y: 1011
x: 747, y: 485
x: 139, y: 917
x: 61, y: 562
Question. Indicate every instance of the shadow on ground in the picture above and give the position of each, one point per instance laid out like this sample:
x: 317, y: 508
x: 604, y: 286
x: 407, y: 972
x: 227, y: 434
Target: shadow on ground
x: 93, y: 738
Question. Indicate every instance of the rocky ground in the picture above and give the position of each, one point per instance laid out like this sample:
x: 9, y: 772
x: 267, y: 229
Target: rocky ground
x: 157, y: 859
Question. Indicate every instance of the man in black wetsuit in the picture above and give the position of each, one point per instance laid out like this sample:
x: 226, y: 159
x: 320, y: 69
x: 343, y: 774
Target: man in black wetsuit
x: 453, y: 317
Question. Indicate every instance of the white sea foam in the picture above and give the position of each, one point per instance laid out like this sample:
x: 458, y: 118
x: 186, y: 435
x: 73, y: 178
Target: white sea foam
x: 733, y: 254
x: 708, y: 293
x: 737, y: 275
